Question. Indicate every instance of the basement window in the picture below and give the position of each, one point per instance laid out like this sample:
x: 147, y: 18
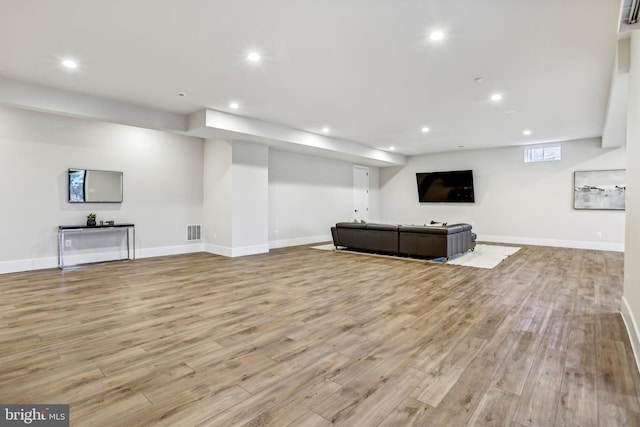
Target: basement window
x: 542, y: 154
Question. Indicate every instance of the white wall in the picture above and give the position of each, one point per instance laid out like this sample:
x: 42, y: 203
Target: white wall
x: 631, y: 297
x: 308, y: 195
x: 250, y: 198
x: 162, y: 184
x: 218, y: 196
x: 169, y: 181
x: 515, y: 202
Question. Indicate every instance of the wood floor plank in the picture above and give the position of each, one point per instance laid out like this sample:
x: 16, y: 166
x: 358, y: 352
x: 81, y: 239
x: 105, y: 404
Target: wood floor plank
x: 541, y: 394
x: 578, y: 400
x: 496, y: 408
x: 380, y: 403
x: 440, y: 380
x: 614, y: 416
x: 410, y: 412
x: 513, y: 373
x: 310, y: 419
x: 260, y: 406
x: 296, y: 407
x: 581, y: 347
x: 307, y: 337
x: 615, y: 377
x: 556, y: 335
x: 342, y: 404
x: 464, y: 397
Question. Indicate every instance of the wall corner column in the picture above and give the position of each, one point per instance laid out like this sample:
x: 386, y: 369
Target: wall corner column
x: 631, y: 296
x: 236, y: 204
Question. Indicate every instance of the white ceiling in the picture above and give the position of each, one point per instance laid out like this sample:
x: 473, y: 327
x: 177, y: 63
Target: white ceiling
x: 364, y: 68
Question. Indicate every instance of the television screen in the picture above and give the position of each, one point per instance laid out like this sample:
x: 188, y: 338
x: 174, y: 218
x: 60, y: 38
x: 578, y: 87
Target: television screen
x: 453, y: 186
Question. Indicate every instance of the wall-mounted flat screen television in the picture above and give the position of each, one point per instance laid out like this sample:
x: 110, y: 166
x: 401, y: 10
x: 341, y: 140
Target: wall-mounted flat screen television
x: 453, y: 186
x: 95, y: 186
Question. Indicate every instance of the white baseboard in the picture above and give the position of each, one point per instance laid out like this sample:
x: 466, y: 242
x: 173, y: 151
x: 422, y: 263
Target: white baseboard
x: 260, y: 249
x: 140, y: 253
x: 170, y: 250
x: 16, y: 266
x: 218, y: 250
x: 250, y: 250
x: 632, y: 330
x: 285, y: 243
x: 575, y: 244
x: 235, y: 252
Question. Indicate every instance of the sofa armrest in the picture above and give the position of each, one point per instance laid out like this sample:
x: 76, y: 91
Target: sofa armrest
x: 464, y: 226
x: 334, y: 236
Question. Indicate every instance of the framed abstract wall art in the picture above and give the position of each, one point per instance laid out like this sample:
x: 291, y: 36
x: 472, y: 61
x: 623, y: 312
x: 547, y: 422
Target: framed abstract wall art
x: 605, y: 189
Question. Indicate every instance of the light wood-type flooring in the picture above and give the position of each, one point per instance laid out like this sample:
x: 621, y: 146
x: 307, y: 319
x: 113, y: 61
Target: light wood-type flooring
x: 306, y: 337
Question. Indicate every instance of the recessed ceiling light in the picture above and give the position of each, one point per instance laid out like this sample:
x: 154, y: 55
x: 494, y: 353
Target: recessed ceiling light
x: 436, y: 35
x: 425, y: 129
x: 478, y: 80
x: 325, y: 129
x: 496, y: 97
x: 182, y: 93
x: 70, y: 63
x: 392, y: 148
x: 526, y: 132
x: 460, y: 146
x: 234, y: 105
x: 253, y: 57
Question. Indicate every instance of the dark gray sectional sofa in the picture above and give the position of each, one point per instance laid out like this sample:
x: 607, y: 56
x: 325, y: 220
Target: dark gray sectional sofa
x: 429, y: 241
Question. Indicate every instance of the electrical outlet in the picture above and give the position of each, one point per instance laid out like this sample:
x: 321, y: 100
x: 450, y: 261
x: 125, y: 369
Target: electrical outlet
x: 67, y: 243
x: 599, y: 234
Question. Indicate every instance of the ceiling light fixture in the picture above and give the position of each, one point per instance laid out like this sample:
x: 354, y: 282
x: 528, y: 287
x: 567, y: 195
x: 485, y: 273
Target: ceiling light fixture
x: 392, y: 148
x: 182, y: 93
x: 234, y: 105
x: 425, y: 129
x: 325, y: 129
x: 436, y: 35
x: 496, y: 97
x: 253, y: 57
x: 526, y: 132
x: 70, y: 63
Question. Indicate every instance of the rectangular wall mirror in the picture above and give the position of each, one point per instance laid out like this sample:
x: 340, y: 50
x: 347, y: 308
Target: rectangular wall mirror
x: 95, y: 186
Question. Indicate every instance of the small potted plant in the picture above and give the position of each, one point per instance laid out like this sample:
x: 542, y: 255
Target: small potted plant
x: 91, y: 220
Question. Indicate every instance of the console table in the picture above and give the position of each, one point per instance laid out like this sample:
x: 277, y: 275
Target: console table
x: 63, y: 230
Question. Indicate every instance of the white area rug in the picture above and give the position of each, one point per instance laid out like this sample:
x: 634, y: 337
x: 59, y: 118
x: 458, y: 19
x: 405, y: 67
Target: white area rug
x: 484, y: 256
x: 327, y: 247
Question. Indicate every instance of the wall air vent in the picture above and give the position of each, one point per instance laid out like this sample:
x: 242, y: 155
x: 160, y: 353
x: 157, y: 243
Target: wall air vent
x: 194, y: 232
x: 633, y: 12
